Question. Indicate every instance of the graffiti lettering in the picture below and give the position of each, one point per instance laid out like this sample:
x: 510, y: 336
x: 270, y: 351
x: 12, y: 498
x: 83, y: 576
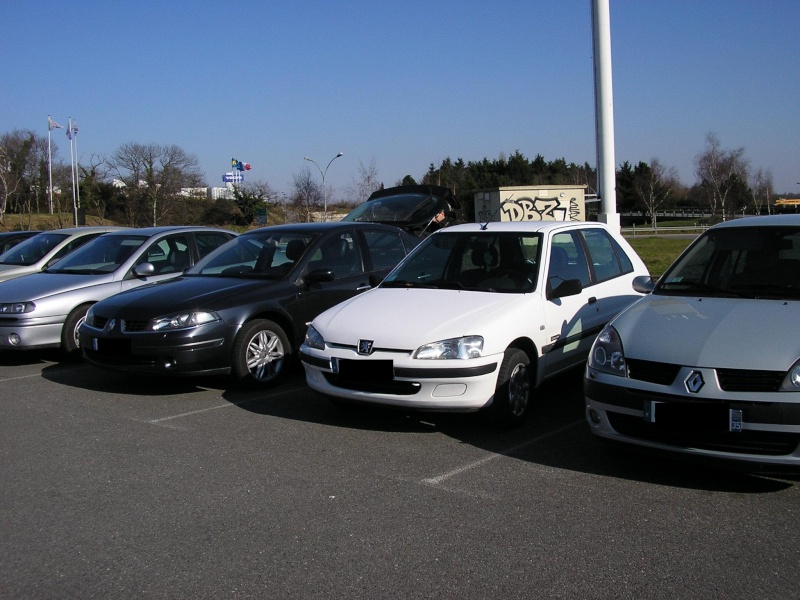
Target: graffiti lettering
x: 535, y: 209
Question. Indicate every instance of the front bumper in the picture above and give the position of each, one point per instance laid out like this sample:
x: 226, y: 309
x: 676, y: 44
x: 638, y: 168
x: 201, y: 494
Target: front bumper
x: 758, y: 428
x: 200, y: 351
x: 31, y: 333
x: 394, y: 379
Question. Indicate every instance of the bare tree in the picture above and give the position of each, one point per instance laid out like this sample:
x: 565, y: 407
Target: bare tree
x: 718, y: 169
x: 307, y: 197
x: 15, y: 166
x: 762, y: 190
x: 365, y: 183
x: 155, y: 174
x: 653, y: 185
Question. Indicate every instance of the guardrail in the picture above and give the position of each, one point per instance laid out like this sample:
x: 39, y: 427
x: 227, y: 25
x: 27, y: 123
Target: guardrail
x: 650, y: 230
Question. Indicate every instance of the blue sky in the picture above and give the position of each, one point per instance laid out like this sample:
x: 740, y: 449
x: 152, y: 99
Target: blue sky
x: 404, y: 84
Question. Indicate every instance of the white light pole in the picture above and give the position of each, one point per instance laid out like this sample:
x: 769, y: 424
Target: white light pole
x: 324, y: 173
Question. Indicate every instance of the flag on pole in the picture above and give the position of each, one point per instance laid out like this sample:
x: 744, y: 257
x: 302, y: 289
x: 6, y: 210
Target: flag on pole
x: 239, y: 165
x: 52, y: 124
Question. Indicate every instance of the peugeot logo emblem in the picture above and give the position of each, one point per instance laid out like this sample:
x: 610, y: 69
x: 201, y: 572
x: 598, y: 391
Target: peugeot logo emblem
x: 694, y: 382
x: 365, y: 347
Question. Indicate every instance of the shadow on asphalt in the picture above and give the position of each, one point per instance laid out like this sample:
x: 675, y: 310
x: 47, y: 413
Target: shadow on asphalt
x: 555, y: 434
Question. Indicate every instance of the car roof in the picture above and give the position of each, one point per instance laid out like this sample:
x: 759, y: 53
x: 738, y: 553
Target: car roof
x: 152, y: 231
x: 792, y: 220
x: 6, y: 234
x: 523, y: 226
x: 321, y: 227
x: 91, y: 229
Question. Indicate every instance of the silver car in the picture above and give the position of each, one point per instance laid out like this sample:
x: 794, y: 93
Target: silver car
x: 45, y: 249
x: 44, y: 310
x: 708, y: 364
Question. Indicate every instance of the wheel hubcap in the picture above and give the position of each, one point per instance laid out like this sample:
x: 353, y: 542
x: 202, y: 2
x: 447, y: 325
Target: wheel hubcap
x: 518, y: 390
x: 75, y: 336
x: 265, y: 355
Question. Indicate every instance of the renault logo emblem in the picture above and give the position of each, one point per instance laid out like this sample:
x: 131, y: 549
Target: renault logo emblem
x: 365, y: 346
x: 111, y: 324
x: 694, y: 382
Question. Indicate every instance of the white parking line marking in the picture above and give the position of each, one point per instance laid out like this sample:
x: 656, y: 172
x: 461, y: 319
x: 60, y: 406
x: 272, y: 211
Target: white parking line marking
x: 226, y: 405
x: 478, y: 463
x: 21, y: 377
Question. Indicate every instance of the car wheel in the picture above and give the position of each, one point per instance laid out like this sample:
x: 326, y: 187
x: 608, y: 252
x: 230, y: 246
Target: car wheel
x: 260, y: 353
x: 513, y: 393
x: 69, y: 334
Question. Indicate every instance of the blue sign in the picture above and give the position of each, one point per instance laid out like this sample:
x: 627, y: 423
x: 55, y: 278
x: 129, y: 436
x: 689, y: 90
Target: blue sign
x: 232, y: 177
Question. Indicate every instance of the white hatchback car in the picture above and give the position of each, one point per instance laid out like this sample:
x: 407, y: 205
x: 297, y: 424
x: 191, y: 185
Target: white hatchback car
x: 708, y: 364
x: 475, y: 317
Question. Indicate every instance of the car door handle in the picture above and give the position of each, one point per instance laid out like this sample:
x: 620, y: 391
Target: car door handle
x: 592, y: 300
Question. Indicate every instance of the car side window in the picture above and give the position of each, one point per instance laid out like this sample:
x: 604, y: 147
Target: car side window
x: 605, y: 257
x: 385, y: 249
x: 339, y: 253
x: 69, y: 247
x: 209, y: 241
x: 168, y: 255
x: 567, y: 260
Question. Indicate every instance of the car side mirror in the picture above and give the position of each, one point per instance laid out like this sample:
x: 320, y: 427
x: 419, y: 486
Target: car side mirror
x: 144, y: 269
x: 568, y: 287
x: 644, y: 284
x: 318, y: 276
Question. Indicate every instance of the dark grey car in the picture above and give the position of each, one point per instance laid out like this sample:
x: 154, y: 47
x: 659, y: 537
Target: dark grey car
x: 245, y: 308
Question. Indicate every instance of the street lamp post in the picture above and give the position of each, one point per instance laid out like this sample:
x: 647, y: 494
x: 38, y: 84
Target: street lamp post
x: 324, y: 173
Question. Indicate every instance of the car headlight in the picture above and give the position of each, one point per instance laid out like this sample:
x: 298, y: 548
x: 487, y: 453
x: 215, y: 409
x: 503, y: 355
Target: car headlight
x: 184, y: 320
x: 314, y: 339
x: 792, y: 381
x: 470, y: 346
x: 16, y: 308
x: 607, y: 354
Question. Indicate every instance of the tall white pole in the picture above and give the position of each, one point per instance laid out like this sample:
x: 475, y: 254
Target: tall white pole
x: 49, y: 168
x: 604, y: 113
x: 72, y: 167
x: 77, y: 168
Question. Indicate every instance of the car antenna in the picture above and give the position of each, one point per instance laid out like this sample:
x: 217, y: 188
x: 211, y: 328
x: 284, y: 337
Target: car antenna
x: 485, y: 224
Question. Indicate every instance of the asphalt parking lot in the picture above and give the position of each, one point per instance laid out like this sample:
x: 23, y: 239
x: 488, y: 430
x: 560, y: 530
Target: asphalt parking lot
x: 127, y: 487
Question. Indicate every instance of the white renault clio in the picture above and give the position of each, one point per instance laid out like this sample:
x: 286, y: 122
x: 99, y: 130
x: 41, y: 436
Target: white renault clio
x: 708, y: 365
x: 475, y: 317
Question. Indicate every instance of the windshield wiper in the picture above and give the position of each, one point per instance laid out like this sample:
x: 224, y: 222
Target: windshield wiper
x: 399, y: 283
x: 696, y: 287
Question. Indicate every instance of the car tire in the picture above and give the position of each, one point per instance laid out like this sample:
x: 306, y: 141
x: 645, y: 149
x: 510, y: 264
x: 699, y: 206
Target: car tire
x: 69, y: 334
x: 512, y: 397
x: 261, y: 353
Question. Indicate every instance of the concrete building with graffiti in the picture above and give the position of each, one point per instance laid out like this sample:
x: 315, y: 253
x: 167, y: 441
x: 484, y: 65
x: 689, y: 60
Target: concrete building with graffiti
x: 531, y: 203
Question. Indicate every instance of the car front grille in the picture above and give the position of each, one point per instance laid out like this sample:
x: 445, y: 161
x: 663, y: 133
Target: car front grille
x: 765, y: 443
x: 133, y: 326
x: 730, y: 380
x: 736, y: 380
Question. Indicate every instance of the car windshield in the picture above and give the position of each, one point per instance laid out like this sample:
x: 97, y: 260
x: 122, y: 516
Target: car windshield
x: 751, y: 262
x: 267, y: 255
x: 402, y: 208
x: 32, y: 250
x: 475, y: 260
x: 103, y: 254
